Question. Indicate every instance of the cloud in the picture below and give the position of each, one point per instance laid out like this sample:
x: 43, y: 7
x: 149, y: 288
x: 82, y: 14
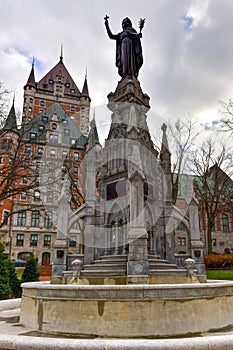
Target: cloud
x: 187, y: 48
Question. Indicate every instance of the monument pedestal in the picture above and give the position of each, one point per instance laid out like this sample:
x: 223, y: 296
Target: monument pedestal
x: 59, y: 265
x: 137, y: 266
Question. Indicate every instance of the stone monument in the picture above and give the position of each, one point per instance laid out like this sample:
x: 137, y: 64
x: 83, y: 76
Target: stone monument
x: 129, y: 220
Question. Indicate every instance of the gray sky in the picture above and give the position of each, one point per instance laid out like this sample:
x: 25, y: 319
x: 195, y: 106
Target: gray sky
x: 187, y: 48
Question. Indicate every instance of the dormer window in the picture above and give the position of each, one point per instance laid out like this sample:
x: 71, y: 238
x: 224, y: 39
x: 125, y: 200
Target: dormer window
x: 73, y: 141
x: 72, y: 109
x: 32, y: 136
x: 45, y: 119
x: 59, y: 79
x: 64, y: 122
x: 50, y: 81
x: 42, y: 103
x: 41, y: 128
x: 67, y: 84
x: 54, y: 126
x: 72, y: 91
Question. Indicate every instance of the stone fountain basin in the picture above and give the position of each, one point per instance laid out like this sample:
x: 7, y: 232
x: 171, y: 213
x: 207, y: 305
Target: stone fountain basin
x: 127, y: 311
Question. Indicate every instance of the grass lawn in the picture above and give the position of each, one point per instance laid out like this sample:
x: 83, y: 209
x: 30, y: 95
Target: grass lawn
x: 219, y: 274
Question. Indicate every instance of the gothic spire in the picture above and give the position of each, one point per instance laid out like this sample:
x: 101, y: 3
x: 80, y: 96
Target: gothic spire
x: 11, y: 123
x: 165, y: 147
x: 61, y: 57
x: 31, y: 78
x: 85, y: 91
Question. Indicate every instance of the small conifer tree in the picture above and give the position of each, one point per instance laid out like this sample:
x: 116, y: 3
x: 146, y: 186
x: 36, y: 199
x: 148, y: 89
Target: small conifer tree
x: 5, y: 287
x: 31, y: 273
x: 14, y: 281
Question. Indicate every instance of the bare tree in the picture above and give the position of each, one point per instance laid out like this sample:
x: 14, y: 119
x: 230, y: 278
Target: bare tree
x: 226, y: 109
x: 183, y: 136
x: 212, y: 182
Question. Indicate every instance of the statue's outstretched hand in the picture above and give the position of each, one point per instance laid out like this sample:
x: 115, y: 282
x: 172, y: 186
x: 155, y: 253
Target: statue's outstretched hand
x: 106, y: 20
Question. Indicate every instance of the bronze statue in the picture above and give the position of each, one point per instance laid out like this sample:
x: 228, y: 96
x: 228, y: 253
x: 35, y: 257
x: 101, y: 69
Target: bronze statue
x: 128, y: 48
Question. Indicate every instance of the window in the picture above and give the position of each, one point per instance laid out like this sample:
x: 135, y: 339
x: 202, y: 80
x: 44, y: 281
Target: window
x: 25, y: 165
x: 35, y: 219
x: 30, y: 109
x: 54, y: 126
x: 72, y: 241
x: 72, y: 109
x: 38, y: 165
x: 21, y: 220
x: 37, y: 194
x: 180, y: 226
x: 27, y: 149
x: 33, y: 240
x: 75, y: 184
x: 31, y: 100
x: 64, y: 153
x: 72, y: 91
x: 72, y: 141
x: 6, y: 214
x: 58, y: 88
x: 32, y: 136
x: 64, y: 122
x: 214, y: 242
x: 76, y: 155
x: 47, y: 240
x: 67, y: 132
x: 75, y: 170
x: 44, y: 119
x: 48, y: 220
x: 52, y: 153
x: 225, y: 223
x: 50, y: 81
x: 182, y: 241
x: 53, y: 138
x: 25, y: 180
x: 41, y: 128
x: 59, y: 79
x: 23, y: 195
x: 20, y: 240
x: 40, y: 151
x: 42, y: 103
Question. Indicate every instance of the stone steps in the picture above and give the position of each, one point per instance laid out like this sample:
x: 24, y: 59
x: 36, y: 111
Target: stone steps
x: 116, y: 265
x: 104, y: 266
x: 168, y: 272
x: 103, y: 273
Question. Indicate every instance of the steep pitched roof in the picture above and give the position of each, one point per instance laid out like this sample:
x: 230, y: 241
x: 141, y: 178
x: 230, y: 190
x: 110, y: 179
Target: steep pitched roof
x: 31, y: 78
x: 85, y: 91
x: 59, y: 70
x: 70, y: 132
x: 11, y: 123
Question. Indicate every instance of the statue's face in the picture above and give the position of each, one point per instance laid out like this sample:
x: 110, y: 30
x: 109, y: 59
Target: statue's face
x: 126, y: 23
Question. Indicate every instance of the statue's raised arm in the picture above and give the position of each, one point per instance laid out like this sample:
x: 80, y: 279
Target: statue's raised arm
x: 128, y: 49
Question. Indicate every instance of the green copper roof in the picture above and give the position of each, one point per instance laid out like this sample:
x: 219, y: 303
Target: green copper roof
x: 51, y: 123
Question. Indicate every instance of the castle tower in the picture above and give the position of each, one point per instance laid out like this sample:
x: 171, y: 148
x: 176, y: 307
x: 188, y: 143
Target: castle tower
x: 57, y: 86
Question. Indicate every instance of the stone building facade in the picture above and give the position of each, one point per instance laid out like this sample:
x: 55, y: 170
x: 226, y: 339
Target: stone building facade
x: 50, y: 143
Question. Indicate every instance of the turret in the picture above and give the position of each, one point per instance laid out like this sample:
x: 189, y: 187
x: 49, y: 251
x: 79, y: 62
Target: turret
x: 85, y: 108
x: 10, y: 123
x: 29, y: 94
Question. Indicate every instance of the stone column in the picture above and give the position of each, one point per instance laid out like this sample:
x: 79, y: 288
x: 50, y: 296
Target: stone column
x: 138, y: 266
x: 197, y: 247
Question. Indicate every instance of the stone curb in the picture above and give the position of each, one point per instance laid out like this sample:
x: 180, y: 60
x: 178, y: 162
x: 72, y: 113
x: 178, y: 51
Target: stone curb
x: 221, y: 342
x: 10, y: 304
